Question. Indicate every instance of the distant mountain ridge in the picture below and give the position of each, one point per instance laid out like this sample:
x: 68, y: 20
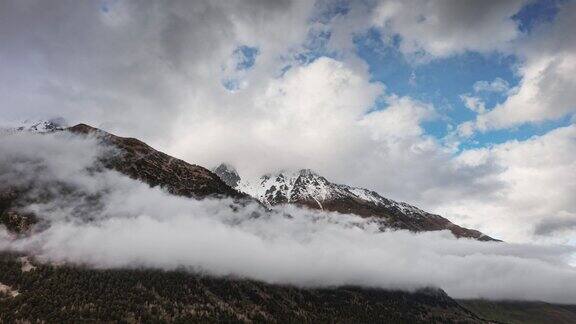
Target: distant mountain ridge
x: 307, y: 188
x: 35, y: 126
x: 142, y: 162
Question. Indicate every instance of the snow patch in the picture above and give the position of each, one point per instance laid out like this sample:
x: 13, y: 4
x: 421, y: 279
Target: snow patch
x: 34, y: 126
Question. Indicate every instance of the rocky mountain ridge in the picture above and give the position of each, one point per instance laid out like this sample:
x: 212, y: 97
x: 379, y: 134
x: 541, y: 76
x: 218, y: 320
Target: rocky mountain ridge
x: 134, y: 159
x: 307, y: 188
x: 142, y: 162
x: 35, y: 126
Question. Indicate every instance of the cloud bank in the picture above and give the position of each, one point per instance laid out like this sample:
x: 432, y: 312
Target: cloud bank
x: 133, y: 225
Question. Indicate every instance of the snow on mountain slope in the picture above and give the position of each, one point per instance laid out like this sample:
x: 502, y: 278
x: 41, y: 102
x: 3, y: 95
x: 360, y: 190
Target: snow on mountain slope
x: 289, y: 187
x: 294, y: 186
x: 306, y: 188
x: 35, y: 126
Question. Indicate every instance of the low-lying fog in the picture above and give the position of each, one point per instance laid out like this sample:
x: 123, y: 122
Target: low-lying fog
x: 103, y: 219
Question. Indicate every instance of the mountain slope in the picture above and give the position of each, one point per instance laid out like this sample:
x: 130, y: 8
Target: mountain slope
x: 140, y: 161
x: 67, y: 294
x: 522, y: 312
x: 134, y: 159
x: 306, y: 188
x: 35, y: 126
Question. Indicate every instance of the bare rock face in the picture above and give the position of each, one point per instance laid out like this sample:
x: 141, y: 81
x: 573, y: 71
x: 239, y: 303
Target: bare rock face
x: 308, y: 189
x: 140, y: 161
x: 228, y: 174
x: 305, y: 188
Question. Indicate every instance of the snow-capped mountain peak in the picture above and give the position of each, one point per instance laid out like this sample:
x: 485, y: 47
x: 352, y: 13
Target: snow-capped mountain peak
x: 288, y: 187
x: 305, y: 185
x: 35, y: 126
x: 307, y: 188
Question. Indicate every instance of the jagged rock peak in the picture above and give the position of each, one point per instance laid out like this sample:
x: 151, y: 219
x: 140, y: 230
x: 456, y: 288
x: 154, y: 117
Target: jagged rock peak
x: 307, y: 188
x: 228, y: 174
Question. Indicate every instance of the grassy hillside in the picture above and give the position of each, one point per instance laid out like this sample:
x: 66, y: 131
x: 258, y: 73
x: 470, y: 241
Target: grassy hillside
x: 522, y: 312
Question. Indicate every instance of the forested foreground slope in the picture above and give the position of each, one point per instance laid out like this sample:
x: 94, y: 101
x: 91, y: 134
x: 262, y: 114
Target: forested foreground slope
x: 67, y: 294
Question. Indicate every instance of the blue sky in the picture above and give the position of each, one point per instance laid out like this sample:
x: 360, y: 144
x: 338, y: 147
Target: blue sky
x: 442, y: 81
x: 438, y: 81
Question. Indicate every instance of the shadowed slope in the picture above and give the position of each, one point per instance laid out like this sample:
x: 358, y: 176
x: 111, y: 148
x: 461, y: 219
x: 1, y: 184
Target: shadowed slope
x: 142, y: 162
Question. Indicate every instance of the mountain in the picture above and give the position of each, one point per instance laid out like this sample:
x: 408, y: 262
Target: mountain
x: 35, y: 126
x: 137, y: 160
x: 308, y: 189
x: 34, y: 291
x: 37, y: 291
x: 142, y: 162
